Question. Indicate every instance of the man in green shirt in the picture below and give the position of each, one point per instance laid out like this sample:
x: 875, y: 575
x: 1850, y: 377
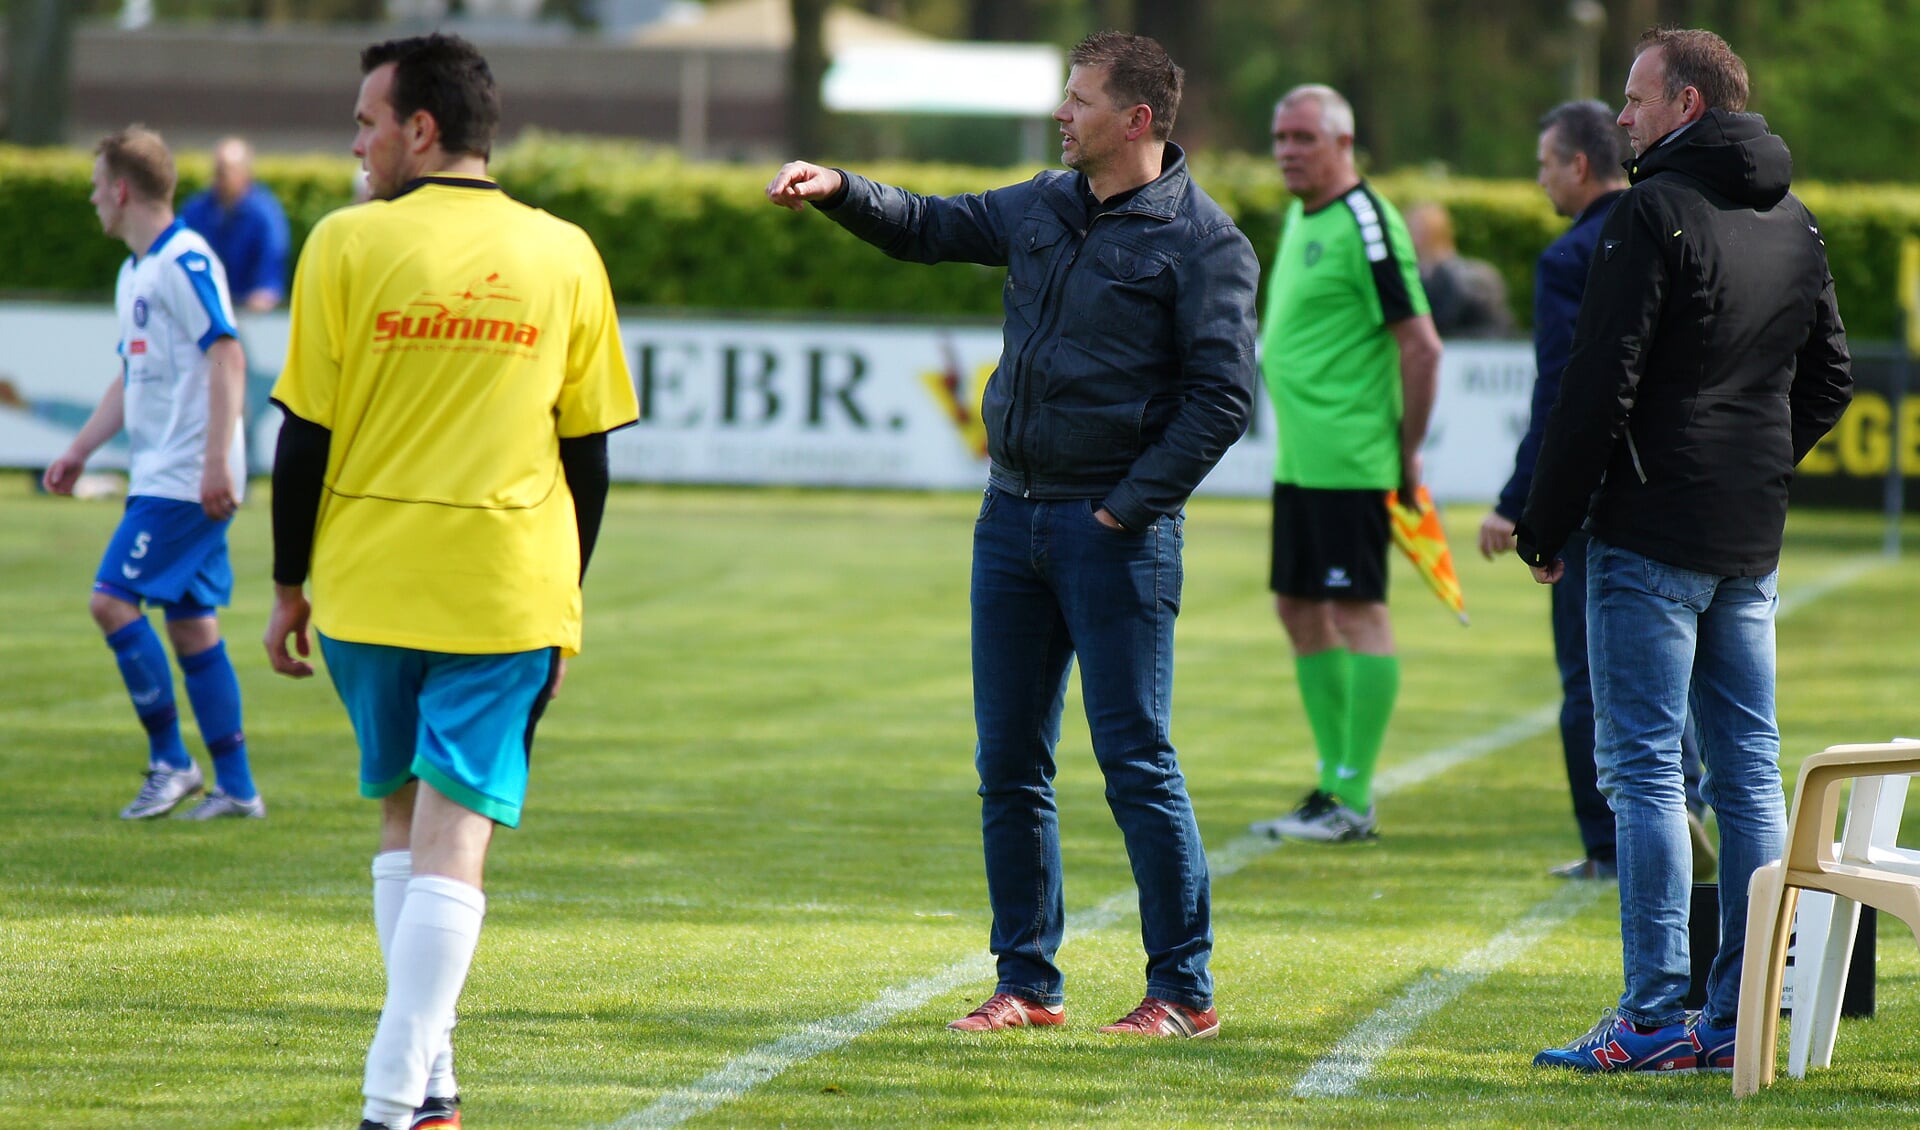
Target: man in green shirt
x: 1351, y: 360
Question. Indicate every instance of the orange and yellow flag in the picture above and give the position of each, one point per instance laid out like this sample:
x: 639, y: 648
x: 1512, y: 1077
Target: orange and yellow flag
x: 1420, y: 536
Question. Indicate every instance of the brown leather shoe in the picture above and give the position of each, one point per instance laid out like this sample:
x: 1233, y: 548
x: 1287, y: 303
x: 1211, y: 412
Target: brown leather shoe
x: 1004, y: 1010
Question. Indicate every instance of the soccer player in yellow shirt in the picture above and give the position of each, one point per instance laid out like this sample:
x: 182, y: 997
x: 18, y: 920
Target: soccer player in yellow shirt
x: 453, y: 370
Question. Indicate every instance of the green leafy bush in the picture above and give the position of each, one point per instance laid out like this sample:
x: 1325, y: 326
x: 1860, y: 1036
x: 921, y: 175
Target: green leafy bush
x: 682, y: 235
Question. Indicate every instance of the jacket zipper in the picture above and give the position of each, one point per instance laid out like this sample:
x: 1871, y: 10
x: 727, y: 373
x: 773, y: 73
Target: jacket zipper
x: 1022, y: 394
x: 1634, y: 453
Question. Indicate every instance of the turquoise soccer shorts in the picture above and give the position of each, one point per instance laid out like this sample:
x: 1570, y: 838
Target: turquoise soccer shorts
x: 462, y: 723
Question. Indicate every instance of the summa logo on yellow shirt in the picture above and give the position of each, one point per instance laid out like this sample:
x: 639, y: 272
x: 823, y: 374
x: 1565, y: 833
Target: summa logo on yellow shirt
x: 431, y: 320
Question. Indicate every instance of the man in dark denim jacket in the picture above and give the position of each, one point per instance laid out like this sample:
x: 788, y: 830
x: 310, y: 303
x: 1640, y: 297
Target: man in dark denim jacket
x: 1127, y: 372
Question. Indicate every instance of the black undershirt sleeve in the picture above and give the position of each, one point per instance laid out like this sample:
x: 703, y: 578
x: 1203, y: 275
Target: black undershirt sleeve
x: 299, y: 477
x: 584, y: 459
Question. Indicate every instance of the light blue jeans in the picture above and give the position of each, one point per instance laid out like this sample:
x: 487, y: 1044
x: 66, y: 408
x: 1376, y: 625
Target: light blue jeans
x: 1661, y: 638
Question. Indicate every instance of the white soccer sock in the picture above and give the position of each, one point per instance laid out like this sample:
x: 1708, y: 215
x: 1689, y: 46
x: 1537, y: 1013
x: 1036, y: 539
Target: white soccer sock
x: 392, y: 870
x: 433, y: 944
x: 394, y: 1116
x: 440, y: 1081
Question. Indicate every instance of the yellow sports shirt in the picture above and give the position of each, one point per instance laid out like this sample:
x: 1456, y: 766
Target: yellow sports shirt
x: 450, y: 338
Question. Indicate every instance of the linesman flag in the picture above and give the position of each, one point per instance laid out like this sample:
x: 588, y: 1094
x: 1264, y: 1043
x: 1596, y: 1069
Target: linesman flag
x: 1419, y: 535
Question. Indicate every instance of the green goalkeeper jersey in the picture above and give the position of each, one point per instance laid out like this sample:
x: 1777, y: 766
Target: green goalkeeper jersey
x: 1343, y: 274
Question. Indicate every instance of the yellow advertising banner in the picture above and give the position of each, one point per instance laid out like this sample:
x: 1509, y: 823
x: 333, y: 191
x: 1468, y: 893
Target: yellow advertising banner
x: 1910, y: 291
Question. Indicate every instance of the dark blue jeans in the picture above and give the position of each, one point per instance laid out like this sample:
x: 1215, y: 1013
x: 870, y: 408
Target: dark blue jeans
x: 1590, y: 809
x: 1050, y: 582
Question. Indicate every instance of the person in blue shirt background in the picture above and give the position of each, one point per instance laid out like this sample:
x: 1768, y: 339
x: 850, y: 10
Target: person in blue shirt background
x: 246, y: 226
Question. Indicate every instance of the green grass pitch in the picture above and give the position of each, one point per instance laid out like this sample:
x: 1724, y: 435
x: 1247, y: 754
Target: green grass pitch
x: 753, y: 811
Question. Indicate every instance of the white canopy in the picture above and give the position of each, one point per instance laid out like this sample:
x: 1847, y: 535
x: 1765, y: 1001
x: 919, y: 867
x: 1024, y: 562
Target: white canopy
x: 987, y: 79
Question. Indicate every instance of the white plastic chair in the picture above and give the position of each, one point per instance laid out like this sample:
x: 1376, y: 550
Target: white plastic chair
x: 1825, y: 925
x: 1862, y: 867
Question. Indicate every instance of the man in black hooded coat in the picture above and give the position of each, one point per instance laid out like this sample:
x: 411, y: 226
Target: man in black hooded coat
x: 1708, y: 359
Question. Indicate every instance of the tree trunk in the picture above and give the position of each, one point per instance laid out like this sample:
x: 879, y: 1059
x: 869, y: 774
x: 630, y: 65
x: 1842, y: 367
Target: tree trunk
x: 1186, y: 31
x: 39, y: 66
x: 806, y: 66
x: 1003, y: 21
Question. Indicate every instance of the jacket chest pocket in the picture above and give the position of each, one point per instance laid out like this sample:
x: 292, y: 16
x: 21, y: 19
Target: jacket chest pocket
x: 1030, y: 261
x: 1133, y: 288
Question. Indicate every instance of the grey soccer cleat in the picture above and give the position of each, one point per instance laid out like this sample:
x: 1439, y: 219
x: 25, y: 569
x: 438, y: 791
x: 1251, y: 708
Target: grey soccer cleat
x: 163, y: 792
x: 1322, y: 819
x: 217, y: 804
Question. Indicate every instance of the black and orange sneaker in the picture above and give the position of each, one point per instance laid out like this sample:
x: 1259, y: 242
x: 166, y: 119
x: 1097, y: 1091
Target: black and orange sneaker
x: 437, y: 1114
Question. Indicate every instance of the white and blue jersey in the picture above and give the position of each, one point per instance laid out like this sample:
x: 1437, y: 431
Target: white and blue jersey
x: 173, y: 305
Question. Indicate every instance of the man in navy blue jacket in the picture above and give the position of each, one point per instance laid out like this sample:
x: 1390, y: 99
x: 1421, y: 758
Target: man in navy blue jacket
x: 1582, y: 153
x: 1128, y: 370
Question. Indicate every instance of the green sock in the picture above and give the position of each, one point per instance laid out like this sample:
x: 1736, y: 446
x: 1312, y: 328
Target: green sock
x: 1326, y: 683
x: 1376, y: 683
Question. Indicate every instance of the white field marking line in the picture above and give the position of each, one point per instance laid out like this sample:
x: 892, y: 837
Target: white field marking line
x: 751, y: 1068
x: 1842, y: 576
x: 1350, y: 1061
x: 1340, y: 1071
x: 747, y: 1071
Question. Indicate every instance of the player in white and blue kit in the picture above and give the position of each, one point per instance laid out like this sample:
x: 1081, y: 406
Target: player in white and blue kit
x: 179, y: 398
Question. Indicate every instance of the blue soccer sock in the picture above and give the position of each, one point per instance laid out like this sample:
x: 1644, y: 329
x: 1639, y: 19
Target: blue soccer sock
x: 214, y: 691
x: 143, y: 667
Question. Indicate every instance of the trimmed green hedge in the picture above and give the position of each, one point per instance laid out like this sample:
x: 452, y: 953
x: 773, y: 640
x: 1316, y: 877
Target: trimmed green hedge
x: 683, y: 235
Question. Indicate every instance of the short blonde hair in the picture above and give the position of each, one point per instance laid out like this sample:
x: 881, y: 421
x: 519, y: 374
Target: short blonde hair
x: 140, y: 157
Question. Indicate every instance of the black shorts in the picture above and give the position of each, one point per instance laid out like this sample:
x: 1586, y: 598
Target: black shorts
x: 1330, y: 544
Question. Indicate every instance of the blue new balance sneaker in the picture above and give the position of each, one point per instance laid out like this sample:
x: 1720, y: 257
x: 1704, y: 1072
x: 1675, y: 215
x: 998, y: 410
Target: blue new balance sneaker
x: 1713, y: 1045
x: 1614, y: 1045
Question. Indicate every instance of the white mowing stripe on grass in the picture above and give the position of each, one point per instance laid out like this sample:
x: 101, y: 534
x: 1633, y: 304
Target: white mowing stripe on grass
x: 750, y: 1069
x: 1339, y: 1071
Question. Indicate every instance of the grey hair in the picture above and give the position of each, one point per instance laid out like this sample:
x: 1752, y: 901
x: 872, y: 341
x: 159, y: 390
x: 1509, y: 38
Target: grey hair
x: 1336, y: 113
x: 1588, y: 127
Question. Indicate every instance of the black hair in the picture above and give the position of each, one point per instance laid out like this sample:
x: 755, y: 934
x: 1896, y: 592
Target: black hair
x: 449, y: 79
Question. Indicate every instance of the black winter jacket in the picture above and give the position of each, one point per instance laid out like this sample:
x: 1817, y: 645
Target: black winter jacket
x: 1127, y: 365
x: 1708, y: 359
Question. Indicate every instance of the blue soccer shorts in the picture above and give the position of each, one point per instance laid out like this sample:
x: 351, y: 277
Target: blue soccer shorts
x: 462, y: 723
x: 169, y: 553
